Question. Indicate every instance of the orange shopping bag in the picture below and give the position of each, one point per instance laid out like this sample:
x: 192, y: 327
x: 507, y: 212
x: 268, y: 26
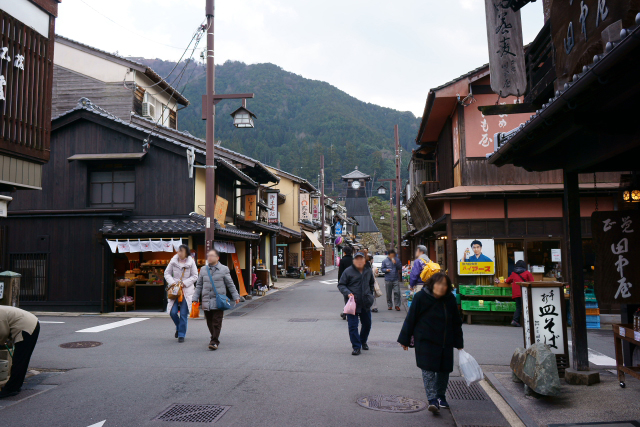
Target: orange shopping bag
x: 195, y: 310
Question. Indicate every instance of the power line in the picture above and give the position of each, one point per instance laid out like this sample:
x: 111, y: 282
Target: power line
x: 125, y: 28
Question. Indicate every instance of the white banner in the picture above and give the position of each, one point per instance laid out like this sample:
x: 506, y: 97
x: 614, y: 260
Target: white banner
x: 123, y: 246
x: 145, y: 246
x: 305, y: 212
x: 134, y: 246
x: 113, y: 245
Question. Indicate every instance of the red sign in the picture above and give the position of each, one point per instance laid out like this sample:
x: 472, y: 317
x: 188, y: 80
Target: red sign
x: 238, y: 270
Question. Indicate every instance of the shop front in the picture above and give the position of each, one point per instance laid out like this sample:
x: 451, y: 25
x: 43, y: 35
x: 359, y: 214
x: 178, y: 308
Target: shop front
x: 312, y: 250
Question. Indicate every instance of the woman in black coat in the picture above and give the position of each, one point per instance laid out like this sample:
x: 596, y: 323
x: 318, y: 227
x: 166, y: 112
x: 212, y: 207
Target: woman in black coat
x: 434, y: 324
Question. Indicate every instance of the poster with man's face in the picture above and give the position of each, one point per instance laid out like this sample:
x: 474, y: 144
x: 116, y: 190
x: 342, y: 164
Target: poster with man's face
x: 476, y: 257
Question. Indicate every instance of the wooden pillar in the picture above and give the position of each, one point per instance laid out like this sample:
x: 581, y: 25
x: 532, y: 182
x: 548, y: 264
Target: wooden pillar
x: 247, y: 267
x: 450, y: 249
x: 573, y: 240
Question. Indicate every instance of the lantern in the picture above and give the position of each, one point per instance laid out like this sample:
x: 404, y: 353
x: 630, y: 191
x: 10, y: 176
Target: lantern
x: 243, y: 118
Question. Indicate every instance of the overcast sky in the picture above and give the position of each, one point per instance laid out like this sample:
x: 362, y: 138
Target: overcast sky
x: 388, y: 52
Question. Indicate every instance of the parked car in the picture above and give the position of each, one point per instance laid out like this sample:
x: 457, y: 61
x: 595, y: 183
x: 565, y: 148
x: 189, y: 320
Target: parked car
x: 377, y: 263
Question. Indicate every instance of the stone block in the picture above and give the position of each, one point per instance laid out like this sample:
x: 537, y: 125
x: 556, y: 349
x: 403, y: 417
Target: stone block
x: 574, y: 377
x: 537, y: 368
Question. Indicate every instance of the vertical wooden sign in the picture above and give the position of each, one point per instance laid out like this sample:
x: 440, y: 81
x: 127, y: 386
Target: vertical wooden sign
x: 272, y: 202
x: 221, y: 210
x: 305, y: 213
x: 238, y: 270
x: 506, y: 52
x: 250, y: 207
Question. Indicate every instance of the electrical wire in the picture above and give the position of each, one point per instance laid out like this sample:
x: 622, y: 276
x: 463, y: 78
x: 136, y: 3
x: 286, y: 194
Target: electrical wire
x: 131, y: 31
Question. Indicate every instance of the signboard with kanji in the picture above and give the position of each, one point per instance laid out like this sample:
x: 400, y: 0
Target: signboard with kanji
x: 272, y: 202
x: 506, y: 51
x: 305, y: 212
x: 476, y: 257
x: 220, y: 208
x: 616, y: 237
x: 315, y: 208
x: 250, y: 207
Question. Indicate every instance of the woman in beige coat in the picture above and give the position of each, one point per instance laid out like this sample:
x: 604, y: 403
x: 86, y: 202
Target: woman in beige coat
x: 181, y: 269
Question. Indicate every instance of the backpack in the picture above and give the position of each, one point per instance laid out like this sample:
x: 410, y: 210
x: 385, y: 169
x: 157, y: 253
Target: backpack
x: 430, y: 268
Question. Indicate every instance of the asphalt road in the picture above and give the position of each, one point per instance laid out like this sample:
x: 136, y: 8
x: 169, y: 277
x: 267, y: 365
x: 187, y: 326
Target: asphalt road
x: 269, y: 371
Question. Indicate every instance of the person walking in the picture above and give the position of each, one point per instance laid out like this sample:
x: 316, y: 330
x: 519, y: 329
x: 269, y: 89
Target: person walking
x: 391, y: 267
x: 20, y: 329
x: 418, y: 265
x: 182, y: 271
x: 520, y: 274
x: 357, y: 281
x: 435, y: 326
x: 374, y: 306
x: 204, y: 288
x: 345, y: 262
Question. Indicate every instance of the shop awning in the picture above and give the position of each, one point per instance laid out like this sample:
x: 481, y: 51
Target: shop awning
x: 314, y: 240
x: 467, y: 191
x: 107, y: 156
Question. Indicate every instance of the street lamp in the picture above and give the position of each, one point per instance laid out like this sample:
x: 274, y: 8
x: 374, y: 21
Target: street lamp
x: 382, y: 190
x: 243, y: 118
x: 382, y: 217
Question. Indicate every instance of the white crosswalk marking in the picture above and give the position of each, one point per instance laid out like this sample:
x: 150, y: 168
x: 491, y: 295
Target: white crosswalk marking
x: 330, y: 282
x: 598, y: 358
x: 113, y: 325
x: 48, y: 321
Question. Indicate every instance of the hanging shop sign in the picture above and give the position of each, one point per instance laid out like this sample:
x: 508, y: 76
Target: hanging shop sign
x: 506, y: 51
x: 315, y: 208
x: 616, y: 237
x: 280, y: 261
x: 220, y: 210
x: 577, y: 27
x: 250, y: 208
x: 338, y: 228
x: 272, y: 202
x: 226, y: 247
x: 238, y: 270
x: 476, y: 257
x: 545, y: 318
x: 305, y: 213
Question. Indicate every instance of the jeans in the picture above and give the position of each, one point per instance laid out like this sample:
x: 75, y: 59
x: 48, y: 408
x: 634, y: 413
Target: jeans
x: 518, y: 312
x: 435, y: 384
x: 21, y: 357
x: 393, y: 290
x: 181, y: 321
x: 357, y: 339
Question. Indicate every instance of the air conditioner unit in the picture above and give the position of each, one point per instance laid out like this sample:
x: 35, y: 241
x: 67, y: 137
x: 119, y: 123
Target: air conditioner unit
x: 148, y: 110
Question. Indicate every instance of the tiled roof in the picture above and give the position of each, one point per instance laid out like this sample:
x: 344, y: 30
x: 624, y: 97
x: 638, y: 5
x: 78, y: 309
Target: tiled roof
x: 563, y: 98
x: 355, y: 174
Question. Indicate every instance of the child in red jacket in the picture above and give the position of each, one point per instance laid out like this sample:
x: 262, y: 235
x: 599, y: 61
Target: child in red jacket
x: 520, y: 274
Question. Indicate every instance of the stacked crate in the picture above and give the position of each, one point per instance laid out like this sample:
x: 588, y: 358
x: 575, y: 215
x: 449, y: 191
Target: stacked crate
x: 592, y: 310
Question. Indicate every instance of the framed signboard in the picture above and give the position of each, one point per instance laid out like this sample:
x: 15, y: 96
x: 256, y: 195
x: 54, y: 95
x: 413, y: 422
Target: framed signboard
x: 250, y: 213
x: 476, y: 257
x: 305, y: 212
x: 220, y: 210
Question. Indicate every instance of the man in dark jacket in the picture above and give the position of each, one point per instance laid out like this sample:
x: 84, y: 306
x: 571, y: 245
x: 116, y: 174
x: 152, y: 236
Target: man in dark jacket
x: 392, y: 268
x: 358, y: 282
x: 345, y: 262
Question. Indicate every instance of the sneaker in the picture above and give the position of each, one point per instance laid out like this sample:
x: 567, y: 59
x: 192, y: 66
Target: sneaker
x: 516, y: 324
x: 213, y: 346
x: 443, y: 403
x: 434, y: 406
x: 390, y: 308
x: 397, y: 308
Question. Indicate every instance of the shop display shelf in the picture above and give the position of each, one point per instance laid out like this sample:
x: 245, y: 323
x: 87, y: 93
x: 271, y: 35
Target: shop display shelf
x: 470, y: 290
x: 503, y: 306
x: 475, y: 306
x: 491, y: 290
x: 593, y: 325
x: 592, y: 318
x: 591, y: 304
x: 507, y: 292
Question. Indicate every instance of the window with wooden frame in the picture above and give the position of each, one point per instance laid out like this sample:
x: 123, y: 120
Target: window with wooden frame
x: 112, y: 188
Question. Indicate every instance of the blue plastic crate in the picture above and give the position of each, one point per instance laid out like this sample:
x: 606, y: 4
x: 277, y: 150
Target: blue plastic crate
x: 593, y: 325
x: 590, y: 304
x: 593, y: 319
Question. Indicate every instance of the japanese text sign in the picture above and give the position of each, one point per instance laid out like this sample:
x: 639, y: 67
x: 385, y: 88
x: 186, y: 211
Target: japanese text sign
x: 220, y: 209
x: 315, y: 208
x: 547, y: 311
x: 617, y: 242
x: 476, y: 257
x: 250, y: 207
x: 305, y: 212
x: 506, y: 51
x: 272, y: 202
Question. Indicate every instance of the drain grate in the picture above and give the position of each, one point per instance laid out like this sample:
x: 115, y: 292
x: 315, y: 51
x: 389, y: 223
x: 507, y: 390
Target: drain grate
x: 303, y: 320
x: 81, y: 344
x: 391, y: 403
x: 236, y: 313
x: 458, y: 390
x: 385, y: 344
x: 193, y: 413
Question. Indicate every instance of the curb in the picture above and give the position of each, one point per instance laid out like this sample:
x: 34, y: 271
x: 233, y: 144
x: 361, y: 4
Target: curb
x: 511, y: 401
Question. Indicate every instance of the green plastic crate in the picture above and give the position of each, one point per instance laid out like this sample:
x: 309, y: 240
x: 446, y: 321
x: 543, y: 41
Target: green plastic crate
x: 475, y: 306
x: 503, y: 306
x: 491, y: 290
x: 470, y: 290
x: 507, y: 292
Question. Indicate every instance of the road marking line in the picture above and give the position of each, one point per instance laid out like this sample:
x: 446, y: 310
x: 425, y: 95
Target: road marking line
x: 100, y: 424
x: 330, y: 282
x: 114, y: 325
x: 598, y: 358
x: 47, y: 321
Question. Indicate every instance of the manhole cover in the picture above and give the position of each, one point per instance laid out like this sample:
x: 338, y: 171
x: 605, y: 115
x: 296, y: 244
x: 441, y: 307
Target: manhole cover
x: 387, y: 403
x: 303, y: 320
x: 458, y: 390
x: 236, y: 313
x: 193, y: 413
x: 81, y: 344
x: 385, y: 344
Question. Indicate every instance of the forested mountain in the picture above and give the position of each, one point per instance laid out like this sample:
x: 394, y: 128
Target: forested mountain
x: 298, y: 119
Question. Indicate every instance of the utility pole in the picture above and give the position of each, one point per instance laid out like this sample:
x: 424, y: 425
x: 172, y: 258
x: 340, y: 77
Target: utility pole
x: 398, y: 183
x: 210, y: 172
x: 392, y: 243
x: 322, y: 218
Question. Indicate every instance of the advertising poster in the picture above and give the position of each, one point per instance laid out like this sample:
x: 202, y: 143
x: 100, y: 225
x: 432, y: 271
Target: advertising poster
x: 476, y: 257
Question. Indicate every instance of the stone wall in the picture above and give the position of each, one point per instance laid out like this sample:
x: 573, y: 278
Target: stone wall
x: 373, y: 241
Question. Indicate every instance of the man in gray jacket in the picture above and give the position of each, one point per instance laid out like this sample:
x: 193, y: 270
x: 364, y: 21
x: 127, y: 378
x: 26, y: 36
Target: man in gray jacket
x: 358, y: 282
x: 391, y: 267
x: 222, y: 280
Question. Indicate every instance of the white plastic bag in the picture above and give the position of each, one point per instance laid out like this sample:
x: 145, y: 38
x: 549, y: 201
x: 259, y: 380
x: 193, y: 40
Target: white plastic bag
x: 350, y: 307
x: 471, y: 371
